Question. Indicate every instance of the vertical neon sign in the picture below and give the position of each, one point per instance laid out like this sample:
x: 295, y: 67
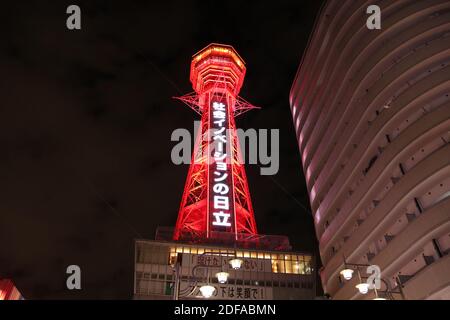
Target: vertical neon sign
x: 221, y: 208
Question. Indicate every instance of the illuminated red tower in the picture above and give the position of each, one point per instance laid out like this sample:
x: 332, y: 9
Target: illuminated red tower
x: 216, y: 201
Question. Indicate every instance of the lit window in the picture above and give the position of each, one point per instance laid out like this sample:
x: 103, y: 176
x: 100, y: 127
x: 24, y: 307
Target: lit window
x: 172, y: 258
x: 274, y: 267
x: 288, y: 265
x: 281, y: 267
x: 298, y: 268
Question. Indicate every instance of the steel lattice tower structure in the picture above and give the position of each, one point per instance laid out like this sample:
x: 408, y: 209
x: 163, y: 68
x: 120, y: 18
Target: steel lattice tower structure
x: 216, y: 200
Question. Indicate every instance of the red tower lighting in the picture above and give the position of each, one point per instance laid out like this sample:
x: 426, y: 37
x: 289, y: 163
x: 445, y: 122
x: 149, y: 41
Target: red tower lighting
x: 216, y: 199
x: 8, y: 291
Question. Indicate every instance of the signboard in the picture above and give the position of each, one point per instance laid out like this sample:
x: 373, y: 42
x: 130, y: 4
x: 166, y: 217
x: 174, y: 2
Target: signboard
x: 220, y: 262
x: 221, y: 200
x: 205, y: 264
x: 237, y: 292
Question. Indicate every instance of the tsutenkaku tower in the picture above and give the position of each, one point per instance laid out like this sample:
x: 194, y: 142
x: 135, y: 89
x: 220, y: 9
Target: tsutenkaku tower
x: 216, y: 200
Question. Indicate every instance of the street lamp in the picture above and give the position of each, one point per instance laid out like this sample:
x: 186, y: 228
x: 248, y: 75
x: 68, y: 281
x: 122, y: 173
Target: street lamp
x: 376, y: 295
x: 236, y: 263
x: 363, y: 287
x: 222, y: 276
x: 347, y: 273
x: 207, y: 290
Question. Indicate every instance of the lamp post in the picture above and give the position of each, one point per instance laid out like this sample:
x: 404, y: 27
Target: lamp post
x: 206, y: 290
x: 364, y: 287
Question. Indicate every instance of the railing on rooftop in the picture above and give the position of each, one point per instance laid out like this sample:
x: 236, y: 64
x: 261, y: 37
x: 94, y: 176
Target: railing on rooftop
x: 226, y: 239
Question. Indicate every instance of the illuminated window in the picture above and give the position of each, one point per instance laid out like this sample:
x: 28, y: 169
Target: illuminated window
x: 274, y: 266
x: 186, y: 250
x: 172, y: 258
x: 288, y: 266
x: 278, y: 266
x: 260, y: 255
x: 239, y: 254
x: 281, y: 267
x: 296, y: 267
x: 307, y: 264
x: 246, y: 254
x: 253, y: 254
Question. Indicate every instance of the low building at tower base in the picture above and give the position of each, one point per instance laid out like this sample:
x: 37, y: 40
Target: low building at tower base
x: 167, y: 269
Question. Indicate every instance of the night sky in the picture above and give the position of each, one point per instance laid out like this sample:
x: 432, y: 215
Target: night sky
x: 86, y: 119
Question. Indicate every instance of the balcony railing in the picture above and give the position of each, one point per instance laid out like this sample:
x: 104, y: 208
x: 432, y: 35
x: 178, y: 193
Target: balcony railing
x: 240, y: 240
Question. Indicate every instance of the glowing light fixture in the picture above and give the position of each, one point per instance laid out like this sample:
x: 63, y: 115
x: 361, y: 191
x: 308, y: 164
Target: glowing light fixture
x: 222, y: 276
x: 207, y: 290
x: 347, y: 273
x: 363, y: 287
x: 236, y: 263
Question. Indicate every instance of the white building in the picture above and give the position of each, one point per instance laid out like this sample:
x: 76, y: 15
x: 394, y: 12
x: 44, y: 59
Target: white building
x: 371, y: 110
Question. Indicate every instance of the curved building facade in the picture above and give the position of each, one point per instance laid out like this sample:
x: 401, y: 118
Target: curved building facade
x: 371, y: 110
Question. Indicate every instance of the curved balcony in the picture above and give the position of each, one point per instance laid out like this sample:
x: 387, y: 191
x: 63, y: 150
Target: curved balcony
x: 429, y: 172
x: 403, y: 248
x: 433, y: 124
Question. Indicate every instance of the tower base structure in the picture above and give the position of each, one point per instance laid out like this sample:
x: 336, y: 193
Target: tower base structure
x: 166, y: 269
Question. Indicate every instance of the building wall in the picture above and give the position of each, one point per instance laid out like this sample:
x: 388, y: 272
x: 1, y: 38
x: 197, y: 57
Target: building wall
x: 371, y: 110
x: 264, y: 274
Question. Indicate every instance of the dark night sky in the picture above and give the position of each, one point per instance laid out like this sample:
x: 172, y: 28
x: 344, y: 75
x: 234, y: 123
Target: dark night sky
x: 86, y: 118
